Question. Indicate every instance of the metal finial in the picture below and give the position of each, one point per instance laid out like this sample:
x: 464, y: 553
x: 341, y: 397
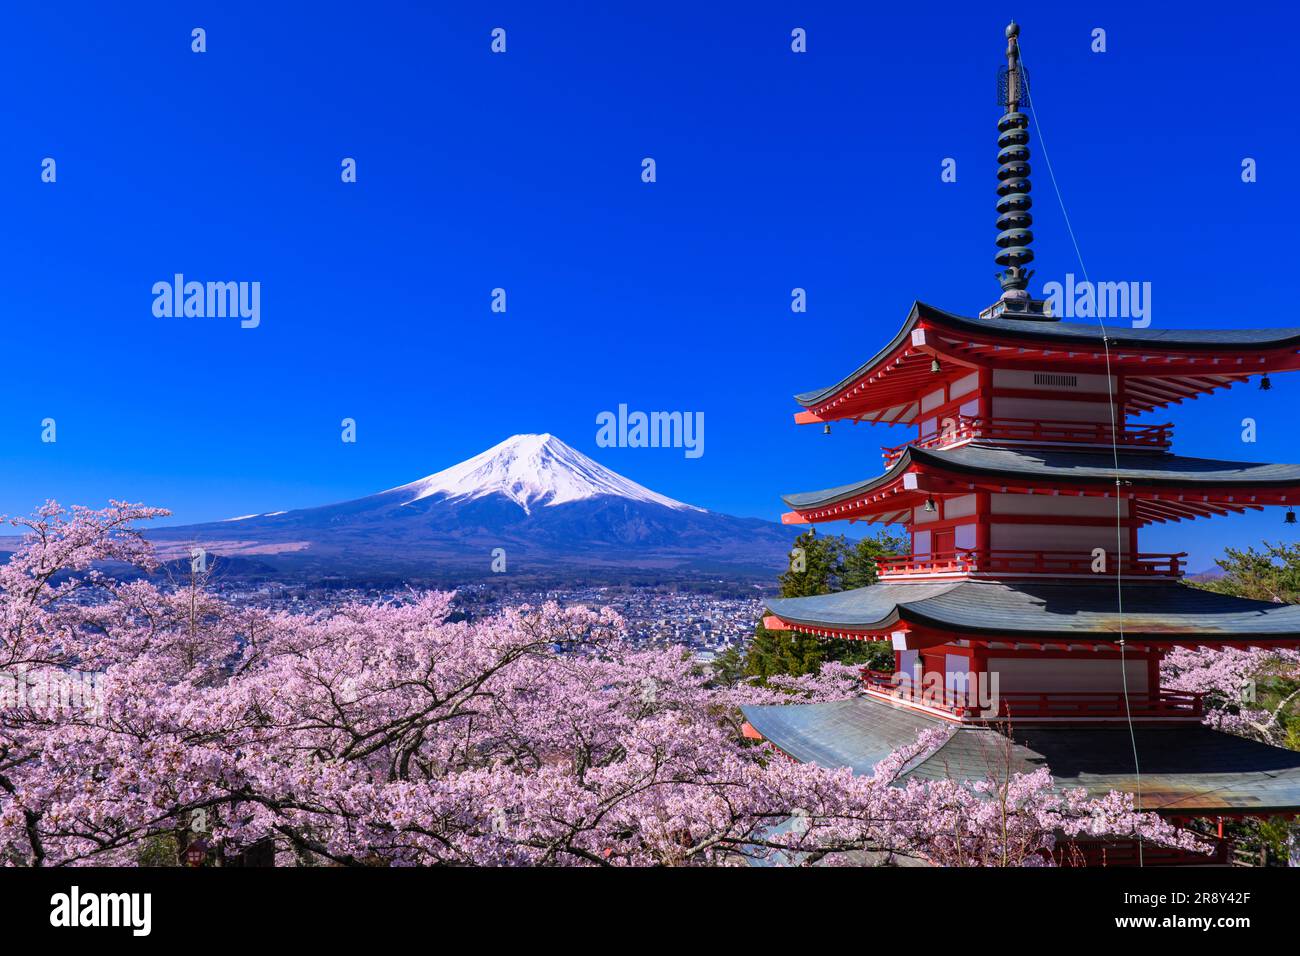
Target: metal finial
x: 1014, y: 219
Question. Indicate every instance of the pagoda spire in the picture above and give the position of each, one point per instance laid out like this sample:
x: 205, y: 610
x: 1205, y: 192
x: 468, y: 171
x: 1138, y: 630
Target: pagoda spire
x: 1014, y: 219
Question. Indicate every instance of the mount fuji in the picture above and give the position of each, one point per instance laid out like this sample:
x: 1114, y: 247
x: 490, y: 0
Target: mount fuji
x: 532, y: 470
x: 555, y: 512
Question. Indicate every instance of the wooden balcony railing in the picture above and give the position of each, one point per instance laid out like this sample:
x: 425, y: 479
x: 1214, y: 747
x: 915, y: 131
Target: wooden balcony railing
x: 902, y: 687
x: 1022, y: 705
x: 1072, y: 851
x: 1164, y: 703
x: 1026, y: 562
x: 965, y: 427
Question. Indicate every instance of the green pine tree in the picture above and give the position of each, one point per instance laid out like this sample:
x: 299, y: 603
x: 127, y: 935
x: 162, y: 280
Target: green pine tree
x: 822, y: 564
x: 860, y: 561
x: 729, y: 666
x: 1272, y: 574
x: 816, y: 565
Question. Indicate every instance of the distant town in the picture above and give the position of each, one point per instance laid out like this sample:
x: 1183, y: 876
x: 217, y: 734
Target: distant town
x: 706, y: 618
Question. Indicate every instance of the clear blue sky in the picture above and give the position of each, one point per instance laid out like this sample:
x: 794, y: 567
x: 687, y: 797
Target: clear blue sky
x: 522, y: 170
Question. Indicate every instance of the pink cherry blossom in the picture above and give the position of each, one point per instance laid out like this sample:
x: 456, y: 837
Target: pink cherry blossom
x: 1230, y: 679
x: 388, y: 734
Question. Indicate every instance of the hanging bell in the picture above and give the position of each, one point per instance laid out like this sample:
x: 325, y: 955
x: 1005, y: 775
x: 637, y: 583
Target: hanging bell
x: 935, y: 366
x: 1264, y: 383
x: 929, y: 505
x: 1290, y: 516
x: 826, y: 429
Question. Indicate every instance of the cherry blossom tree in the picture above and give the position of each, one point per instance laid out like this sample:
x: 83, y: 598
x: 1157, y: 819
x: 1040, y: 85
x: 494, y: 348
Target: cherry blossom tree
x: 1250, y: 691
x: 1253, y: 692
x: 391, y: 734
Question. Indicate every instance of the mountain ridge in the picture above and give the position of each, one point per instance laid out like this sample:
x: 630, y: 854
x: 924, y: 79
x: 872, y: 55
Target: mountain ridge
x: 553, y: 510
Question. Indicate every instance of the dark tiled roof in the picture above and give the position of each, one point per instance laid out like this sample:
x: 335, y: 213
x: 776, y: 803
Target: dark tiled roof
x: 1050, y: 464
x: 1046, y: 609
x: 876, y: 604
x: 1157, y: 468
x: 1087, y: 335
x: 856, y: 733
x: 1184, y: 769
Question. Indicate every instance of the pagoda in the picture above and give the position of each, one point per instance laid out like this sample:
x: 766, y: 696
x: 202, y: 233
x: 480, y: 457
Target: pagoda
x: 1027, y: 616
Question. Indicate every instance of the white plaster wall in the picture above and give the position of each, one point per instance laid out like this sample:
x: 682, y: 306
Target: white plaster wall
x: 907, y: 662
x: 932, y: 400
x: 1025, y: 674
x: 959, y: 507
x: 1054, y: 537
x: 956, y: 672
x: 1051, y: 410
x: 963, y: 385
x: 1071, y: 505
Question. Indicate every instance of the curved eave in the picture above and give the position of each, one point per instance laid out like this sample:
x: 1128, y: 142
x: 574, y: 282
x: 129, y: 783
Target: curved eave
x: 1163, y: 366
x: 879, y: 631
x: 924, y: 630
x: 1067, y: 466
x: 888, y: 485
x: 1140, y: 628
x: 818, y: 396
x: 1167, y: 487
x: 875, y: 610
x: 1186, y: 770
x: 1056, y: 612
x: 921, y: 630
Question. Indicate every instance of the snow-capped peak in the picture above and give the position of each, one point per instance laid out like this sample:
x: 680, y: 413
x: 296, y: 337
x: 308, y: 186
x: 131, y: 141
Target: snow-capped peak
x: 531, y: 470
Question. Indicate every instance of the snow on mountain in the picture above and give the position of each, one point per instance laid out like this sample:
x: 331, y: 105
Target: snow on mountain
x: 442, y: 530
x: 532, y: 470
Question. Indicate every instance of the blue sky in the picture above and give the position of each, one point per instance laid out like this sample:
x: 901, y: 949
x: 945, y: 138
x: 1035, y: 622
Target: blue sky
x: 522, y: 171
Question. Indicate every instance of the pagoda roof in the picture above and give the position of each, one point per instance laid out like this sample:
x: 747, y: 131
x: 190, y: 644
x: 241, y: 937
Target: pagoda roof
x: 1186, y: 361
x: 1045, y: 609
x: 1185, y: 770
x: 1063, y: 466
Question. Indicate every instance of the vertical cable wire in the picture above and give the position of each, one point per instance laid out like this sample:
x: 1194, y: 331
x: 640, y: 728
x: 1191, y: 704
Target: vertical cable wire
x: 1114, y: 450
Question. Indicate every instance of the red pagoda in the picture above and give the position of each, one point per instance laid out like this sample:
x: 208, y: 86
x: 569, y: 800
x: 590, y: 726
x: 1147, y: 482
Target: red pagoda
x: 1027, y: 614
